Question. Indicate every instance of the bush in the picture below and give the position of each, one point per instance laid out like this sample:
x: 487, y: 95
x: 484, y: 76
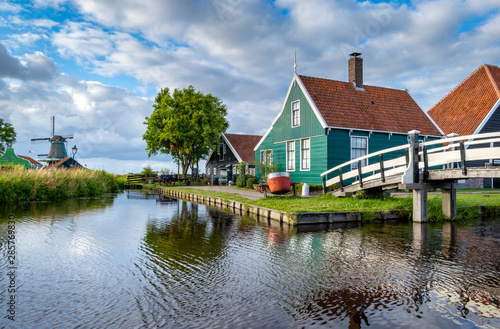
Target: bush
x: 251, y: 181
x: 241, y: 180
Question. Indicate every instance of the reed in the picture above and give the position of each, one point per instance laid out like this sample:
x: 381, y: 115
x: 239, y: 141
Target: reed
x: 23, y: 185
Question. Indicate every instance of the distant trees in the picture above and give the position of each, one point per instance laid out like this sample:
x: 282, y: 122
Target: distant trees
x: 186, y: 125
x: 7, y: 135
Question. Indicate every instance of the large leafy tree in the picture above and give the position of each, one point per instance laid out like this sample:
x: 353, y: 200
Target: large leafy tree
x: 7, y: 135
x: 186, y: 125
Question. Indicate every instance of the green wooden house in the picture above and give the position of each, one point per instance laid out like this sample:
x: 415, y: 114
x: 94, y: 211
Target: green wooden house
x: 324, y: 123
x: 10, y: 158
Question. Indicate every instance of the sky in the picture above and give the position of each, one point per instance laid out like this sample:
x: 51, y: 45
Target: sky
x: 97, y: 65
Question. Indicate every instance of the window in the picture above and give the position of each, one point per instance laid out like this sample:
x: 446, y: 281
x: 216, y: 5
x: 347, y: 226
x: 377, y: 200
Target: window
x: 359, y: 148
x: 305, y: 155
x: 296, y: 114
x: 221, y: 151
x: 215, y: 171
x: 266, y: 157
x: 290, y: 155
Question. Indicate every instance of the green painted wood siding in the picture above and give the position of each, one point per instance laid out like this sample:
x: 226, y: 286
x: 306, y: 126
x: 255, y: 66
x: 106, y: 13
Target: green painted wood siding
x: 339, y: 146
x: 318, y: 158
x: 309, y: 123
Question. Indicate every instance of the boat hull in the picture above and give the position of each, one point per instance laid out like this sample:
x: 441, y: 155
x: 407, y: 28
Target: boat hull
x: 279, y: 182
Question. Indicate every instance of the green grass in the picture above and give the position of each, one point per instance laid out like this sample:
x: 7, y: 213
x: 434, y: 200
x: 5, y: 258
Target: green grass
x: 467, y: 204
x: 24, y: 185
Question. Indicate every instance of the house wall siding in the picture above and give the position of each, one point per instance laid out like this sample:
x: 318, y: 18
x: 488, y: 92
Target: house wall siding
x: 339, y: 146
x: 493, y: 125
x: 215, y: 162
x: 309, y: 123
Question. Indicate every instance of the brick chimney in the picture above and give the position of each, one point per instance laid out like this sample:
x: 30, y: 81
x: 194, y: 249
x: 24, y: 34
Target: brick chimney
x: 356, y: 70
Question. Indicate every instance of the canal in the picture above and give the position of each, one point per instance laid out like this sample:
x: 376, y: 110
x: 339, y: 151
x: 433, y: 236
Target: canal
x: 133, y: 260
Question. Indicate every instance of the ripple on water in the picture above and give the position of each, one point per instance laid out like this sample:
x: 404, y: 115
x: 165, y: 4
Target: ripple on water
x: 187, y: 266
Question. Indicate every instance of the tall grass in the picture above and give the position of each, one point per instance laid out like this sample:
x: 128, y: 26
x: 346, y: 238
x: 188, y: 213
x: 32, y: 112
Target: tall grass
x: 23, y: 185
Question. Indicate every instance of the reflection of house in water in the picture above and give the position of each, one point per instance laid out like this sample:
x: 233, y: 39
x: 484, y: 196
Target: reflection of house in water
x: 404, y: 269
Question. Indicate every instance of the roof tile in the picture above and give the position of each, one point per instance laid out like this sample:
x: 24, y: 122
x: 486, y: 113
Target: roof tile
x: 373, y: 108
x: 244, y: 145
x: 464, y: 108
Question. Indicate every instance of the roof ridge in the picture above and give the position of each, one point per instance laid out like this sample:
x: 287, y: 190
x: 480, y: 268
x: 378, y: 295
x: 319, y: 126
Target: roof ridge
x: 242, y: 134
x: 495, y: 85
x: 457, y: 86
x: 348, y: 83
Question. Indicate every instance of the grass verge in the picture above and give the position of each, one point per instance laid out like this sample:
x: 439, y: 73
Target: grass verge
x: 467, y: 209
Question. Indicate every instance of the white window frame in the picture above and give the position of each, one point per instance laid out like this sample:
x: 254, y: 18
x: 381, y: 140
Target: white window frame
x: 290, y: 156
x: 302, y: 154
x: 364, y: 162
x: 295, y: 123
x: 264, y: 159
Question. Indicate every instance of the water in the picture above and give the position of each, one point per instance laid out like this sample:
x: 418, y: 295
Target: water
x: 133, y: 262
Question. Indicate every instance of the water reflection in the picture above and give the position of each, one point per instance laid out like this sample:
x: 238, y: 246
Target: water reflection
x: 158, y: 262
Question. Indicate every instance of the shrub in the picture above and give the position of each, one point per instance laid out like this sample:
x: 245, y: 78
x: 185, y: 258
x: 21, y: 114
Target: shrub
x: 251, y: 181
x: 241, y: 181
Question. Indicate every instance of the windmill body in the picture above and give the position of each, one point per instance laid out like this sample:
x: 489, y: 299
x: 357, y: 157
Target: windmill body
x: 57, y: 154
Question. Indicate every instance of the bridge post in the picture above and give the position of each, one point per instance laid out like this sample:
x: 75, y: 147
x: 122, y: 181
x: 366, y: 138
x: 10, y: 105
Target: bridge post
x: 411, y: 175
x: 449, y: 201
x: 420, y: 204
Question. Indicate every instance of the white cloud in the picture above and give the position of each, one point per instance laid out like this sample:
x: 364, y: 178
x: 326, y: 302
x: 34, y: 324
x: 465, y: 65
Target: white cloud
x: 26, y: 38
x: 241, y: 51
x: 82, y: 41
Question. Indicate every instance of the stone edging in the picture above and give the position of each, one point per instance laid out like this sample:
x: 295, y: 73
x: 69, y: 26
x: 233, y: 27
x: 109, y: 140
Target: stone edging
x: 279, y: 215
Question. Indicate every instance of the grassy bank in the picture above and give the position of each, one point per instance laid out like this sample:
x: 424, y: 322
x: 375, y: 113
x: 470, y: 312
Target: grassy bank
x: 22, y: 185
x: 467, y: 204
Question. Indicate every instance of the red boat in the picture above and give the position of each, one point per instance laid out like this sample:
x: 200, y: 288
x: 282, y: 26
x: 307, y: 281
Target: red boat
x: 279, y: 182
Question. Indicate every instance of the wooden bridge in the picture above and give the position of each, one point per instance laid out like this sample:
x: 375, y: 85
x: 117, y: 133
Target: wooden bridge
x: 424, y: 165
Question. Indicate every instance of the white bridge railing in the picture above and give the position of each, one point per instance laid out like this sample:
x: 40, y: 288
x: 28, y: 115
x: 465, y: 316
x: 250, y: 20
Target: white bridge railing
x: 419, y: 157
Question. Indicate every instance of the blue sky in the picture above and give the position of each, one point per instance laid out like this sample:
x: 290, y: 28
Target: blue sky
x: 97, y: 65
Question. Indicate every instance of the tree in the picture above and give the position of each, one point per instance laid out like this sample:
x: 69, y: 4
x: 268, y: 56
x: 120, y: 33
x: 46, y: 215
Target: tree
x: 186, y: 125
x: 7, y: 135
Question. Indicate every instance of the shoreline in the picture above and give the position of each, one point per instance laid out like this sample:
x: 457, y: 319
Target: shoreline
x: 290, y: 218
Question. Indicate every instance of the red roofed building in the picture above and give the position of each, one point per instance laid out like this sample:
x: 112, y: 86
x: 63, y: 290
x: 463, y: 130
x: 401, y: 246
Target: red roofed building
x: 34, y: 164
x: 472, y: 108
x: 233, y: 149
x: 324, y: 123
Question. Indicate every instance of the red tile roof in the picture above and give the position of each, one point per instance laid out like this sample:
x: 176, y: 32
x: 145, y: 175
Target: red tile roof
x: 58, y: 163
x: 464, y: 108
x: 31, y: 160
x: 244, y: 145
x: 373, y: 108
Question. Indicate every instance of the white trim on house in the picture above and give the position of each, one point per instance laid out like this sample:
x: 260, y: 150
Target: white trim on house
x: 355, y: 165
x: 434, y: 123
x: 301, y: 168
x: 296, y: 139
x: 309, y: 100
x: 293, y: 114
x: 232, y: 148
x: 380, y: 131
x: 313, y: 105
x: 294, y: 156
x: 488, y: 117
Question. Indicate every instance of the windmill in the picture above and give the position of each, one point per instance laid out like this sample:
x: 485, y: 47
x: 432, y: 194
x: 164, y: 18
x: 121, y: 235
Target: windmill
x: 57, y: 150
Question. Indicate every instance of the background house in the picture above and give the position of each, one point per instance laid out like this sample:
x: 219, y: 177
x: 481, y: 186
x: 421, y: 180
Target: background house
x: 324, y: 123
x: 10, y: 158
x: 471, y: 108
x: 233, y: 149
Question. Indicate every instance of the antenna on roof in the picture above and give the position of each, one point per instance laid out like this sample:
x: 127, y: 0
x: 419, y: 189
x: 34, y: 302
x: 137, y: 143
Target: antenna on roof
x: 295, y: 62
